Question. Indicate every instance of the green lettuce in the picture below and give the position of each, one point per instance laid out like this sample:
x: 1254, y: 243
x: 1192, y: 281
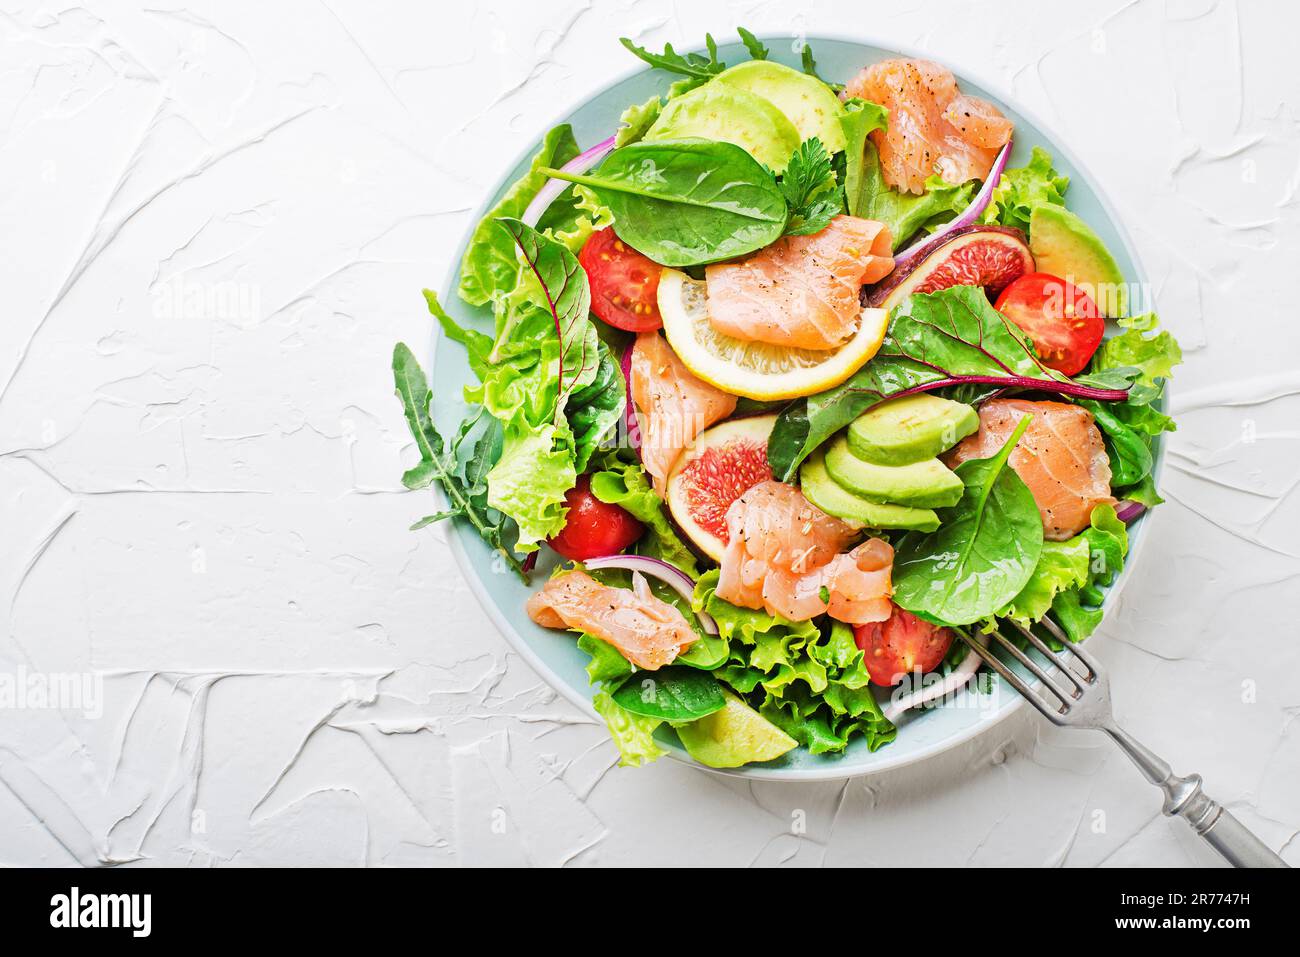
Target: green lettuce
x: 869, y: 196
x: 1020, y: 190
x: 491, y: 266
x: 637, y: 120
x: 633, y: 734
x: 813, y: 684
x: 530, y: 480
x: 1129, y: 428
x: 1070, y: 577
x: 619, y: 482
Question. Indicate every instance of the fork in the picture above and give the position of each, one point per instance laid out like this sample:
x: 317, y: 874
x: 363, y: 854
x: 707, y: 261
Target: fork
x: 1081, y: 699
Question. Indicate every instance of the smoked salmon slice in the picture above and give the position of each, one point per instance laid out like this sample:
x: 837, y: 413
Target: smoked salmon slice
x: 933, y: 127
x: 673, y: 406
x: 802, y: 291
x: 1061, y: 459
x: 787, y: 556
x: 645, y: 629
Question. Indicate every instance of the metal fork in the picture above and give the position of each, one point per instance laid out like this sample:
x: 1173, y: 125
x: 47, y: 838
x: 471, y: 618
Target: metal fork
x: 1080, y: 698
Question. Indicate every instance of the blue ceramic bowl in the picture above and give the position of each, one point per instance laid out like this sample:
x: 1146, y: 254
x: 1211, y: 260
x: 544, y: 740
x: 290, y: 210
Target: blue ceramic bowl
x: 554, y: 654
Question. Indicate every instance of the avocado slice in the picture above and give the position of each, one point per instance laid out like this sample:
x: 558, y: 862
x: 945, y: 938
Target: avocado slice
x: 834, y: 499
x: 927, y: 484
x: 732, y: 115
x: 1066, y: 247
x: 911, y: 429
x: 805, y: 100
x: 734, y: 736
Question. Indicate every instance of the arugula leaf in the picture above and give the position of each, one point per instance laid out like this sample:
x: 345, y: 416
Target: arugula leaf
x: 809, y: 66
x: 694, y: 65
x: 808, y: 185
x: 439, y: 464
x: 490, y: 267
x: 672, y: 693
x: 984, y: 551
x: 688, y: 202
x: 946, y: 338
x: 752, y: 43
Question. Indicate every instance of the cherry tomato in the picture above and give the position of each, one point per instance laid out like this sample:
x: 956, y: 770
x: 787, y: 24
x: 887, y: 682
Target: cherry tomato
x: 594, y: 528
x: 1062, y: 321
x: 624, y: 284
x: 900, y: 645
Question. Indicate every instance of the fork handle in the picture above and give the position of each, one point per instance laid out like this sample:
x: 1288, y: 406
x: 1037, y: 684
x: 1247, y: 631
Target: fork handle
x: 1207, y: 817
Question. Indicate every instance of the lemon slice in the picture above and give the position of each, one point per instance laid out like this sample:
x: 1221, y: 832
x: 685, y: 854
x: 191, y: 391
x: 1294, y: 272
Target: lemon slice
x: 757, y: 370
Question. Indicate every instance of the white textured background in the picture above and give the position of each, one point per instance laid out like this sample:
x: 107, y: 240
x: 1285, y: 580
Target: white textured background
x: 215, y: 220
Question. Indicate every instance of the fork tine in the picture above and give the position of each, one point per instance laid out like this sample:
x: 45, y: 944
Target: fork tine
x: 1035, y: 669
x: 1062, y: 666
x: 1013, y: 679
x: 1075, y: 648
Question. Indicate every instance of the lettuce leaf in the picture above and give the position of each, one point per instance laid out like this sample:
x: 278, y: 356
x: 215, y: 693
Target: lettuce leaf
x: 1020, y: 190
x: 490, y: 267
x: 811, y: 683
x: 530, y: 480
x: 636, y: 121
x: 1061, y: 566
x: 620, y: 482
x: 1130, y: 427
x: 1071, y: 575
x: 1078, y: 610
x: 869, y: 196
x: 633, y: 734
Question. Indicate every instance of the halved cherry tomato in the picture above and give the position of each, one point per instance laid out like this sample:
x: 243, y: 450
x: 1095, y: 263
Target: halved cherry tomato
x: 900, y: 645
x: 594, y: 528
x: 624, y: 284
x: 1062, y: 321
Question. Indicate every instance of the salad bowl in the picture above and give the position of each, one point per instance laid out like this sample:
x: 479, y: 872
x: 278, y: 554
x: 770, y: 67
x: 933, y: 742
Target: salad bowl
x: 554, y: 654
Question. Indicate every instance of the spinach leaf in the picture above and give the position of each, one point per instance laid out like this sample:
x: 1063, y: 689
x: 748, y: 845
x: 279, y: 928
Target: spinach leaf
x: 984, y: 551
x: 952, y: 337
x: 490, y: 267
x: 672, y: 693
x: 596, y: 409
x: 465, y: 488
x: 688, y: 202
x: 808, y: 184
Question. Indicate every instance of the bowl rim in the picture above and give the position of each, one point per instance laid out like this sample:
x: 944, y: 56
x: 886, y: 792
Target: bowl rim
x: 832, y: 772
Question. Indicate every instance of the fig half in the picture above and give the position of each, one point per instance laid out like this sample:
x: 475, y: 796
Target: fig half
x: 988, y: 256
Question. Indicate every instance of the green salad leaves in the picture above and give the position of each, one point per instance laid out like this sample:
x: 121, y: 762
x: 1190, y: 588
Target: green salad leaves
x: 687, y: 202
x: 939, y: 339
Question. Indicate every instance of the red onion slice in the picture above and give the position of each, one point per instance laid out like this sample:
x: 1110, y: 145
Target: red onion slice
x: 971, y: 213
x: 1128, y: 511
x: 669, y: 574
x: 554, y: 187
x: 951, y: 683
